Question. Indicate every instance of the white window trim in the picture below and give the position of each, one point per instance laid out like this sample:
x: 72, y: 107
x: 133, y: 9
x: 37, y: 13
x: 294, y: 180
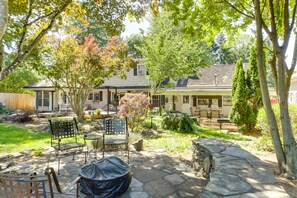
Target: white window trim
x: 42, y: 99
x: 92, y: 97
x: 141, y: 70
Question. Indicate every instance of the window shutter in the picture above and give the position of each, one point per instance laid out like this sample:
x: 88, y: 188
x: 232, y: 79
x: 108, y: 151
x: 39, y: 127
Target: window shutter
x: 194, y: 101
x: 101, y: 95
x: 135, y: 71
x: 220, y: 102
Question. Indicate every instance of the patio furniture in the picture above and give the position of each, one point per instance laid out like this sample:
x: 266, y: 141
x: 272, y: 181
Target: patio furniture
x: 116, y: 133
x: 108, y: 177
x: 223, y: 120
x: 33, y: 185
x: 94, y: 136
x: 64, y: 138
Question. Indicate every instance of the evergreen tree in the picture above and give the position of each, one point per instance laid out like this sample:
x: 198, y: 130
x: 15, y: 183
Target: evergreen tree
x: 254, y: 90
x: 235, y: 77
x: 240, y: 108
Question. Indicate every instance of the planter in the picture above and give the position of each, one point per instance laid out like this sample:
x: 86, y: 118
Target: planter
x: 86, y: 116
x: 96, y: 116
x: 138, y: 145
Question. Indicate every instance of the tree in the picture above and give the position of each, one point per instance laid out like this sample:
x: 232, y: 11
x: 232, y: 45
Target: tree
x: 30, y: 20
x: 135, y: 42
x: 16, y: 81
x: 169, y: 54
x: 254, y: 89
x: 77, y: 68
x: 278, y: 20
x: 134, y: 107
x: 221, y: 53
x: 239, y: 113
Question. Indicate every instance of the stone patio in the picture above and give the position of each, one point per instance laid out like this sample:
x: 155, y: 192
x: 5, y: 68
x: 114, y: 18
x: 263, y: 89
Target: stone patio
x: 154, y: 174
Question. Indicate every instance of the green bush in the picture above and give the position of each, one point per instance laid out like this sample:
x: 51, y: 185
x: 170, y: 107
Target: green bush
x: 147, y: 124
x: 178, y: 121
x: 3, y: 109
x: 262, y: 122
x: 264, y: 143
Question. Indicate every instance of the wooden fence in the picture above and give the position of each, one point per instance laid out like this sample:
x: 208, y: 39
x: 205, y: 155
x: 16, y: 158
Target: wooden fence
x: 15, y: 101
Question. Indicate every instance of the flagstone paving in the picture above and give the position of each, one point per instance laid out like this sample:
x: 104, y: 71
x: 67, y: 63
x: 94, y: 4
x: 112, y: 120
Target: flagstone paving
x: 235, y: 173
x: 154, y: 174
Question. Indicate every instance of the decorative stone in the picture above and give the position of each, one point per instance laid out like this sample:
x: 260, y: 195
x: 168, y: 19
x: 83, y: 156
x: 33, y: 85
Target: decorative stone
x: 226, y: 184
x: 206, y: 165
x: 174, y: 179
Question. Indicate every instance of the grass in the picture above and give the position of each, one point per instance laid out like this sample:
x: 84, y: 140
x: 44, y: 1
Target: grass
x: 14, y: 139
x: 178, y: 143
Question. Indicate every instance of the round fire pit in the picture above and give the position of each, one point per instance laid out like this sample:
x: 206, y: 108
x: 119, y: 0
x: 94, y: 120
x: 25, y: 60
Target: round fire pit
x: 107, y: 177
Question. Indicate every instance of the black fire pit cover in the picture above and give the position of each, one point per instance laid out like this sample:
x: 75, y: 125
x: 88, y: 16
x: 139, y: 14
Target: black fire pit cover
x: 108, y: 177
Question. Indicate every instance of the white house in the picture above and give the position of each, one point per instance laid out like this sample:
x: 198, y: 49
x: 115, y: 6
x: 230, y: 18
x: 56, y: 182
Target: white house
x: 193, y: 95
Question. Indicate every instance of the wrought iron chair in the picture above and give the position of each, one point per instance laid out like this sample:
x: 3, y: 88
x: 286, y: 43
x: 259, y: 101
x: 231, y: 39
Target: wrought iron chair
x: 116, y: 133
x: 33, y: 185
x: 64, y: 138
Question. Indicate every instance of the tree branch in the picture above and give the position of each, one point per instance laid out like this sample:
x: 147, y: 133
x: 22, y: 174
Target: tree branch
x: 25, y: 27
x: 239, y: 11
x: 287, y: 30
x: 294, y: 59
x: 21, y: 56
x: 39, y: 18
x: 293, y: 16
x: 273, y: 34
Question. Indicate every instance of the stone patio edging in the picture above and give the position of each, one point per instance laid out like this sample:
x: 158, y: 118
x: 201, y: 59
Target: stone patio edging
x: 233, y: 172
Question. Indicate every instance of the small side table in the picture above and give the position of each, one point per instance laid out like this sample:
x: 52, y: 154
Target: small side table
x: 95, y: 136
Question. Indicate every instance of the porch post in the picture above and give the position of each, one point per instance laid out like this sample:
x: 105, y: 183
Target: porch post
x: 108, y: 100
x: 173, y: 103
x: 36, y: 100
x: 116, y: 100
x: 52, y: 95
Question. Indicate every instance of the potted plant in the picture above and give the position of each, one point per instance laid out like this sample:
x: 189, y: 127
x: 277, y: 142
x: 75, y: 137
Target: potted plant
x: 98, y: 114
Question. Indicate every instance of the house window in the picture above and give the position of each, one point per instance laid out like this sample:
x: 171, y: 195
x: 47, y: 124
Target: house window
x: 227, y: 100
x: 98, y: 96
x: 43, y: 98
x: 186, y: 99
x: 202, y: 102
x: 91, y: 96
x: 141, y: 70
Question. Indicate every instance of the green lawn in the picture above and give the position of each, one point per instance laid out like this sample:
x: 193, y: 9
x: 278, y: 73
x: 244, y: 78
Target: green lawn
x: 14, y: 139
x: 178, y: 143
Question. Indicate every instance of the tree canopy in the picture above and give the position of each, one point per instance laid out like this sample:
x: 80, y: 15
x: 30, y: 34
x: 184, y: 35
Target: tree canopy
x: 278, y: 20
x: 77, y: 68
x: 24, y: 23
x: 169, y: 54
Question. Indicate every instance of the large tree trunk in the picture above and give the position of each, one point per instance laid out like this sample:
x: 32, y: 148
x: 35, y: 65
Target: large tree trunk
x: 265, y: 93
x: 4, y: 17
x: 290, y: 147
x: 3, y: 24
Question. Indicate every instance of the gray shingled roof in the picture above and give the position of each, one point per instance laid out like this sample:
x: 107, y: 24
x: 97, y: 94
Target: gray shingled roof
x: 222, y: 73
x: 41, y: 84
